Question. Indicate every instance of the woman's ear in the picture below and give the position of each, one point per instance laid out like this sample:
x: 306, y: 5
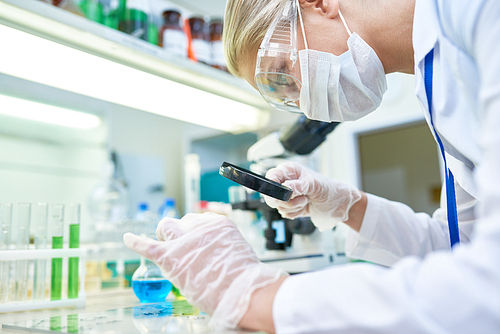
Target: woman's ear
x: 328, y: 8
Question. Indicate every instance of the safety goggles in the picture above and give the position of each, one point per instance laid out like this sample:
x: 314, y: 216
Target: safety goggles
x: 277, y: 69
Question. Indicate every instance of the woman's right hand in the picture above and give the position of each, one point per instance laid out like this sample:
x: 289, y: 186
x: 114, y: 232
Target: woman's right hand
x: 207, y: 258
x: 325, y: 200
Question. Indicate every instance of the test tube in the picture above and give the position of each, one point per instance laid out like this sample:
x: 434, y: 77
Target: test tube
x: 57, y: 224
x: 74, y: 242
x: 5, y: 242
x: 41, y: 215
x: 23, y: 242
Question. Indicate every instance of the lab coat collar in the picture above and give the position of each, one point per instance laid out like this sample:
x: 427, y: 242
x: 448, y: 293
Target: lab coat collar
x: 425, y: 28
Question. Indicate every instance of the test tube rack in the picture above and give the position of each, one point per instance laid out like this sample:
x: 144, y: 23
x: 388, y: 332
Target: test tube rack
x: 47, y: 254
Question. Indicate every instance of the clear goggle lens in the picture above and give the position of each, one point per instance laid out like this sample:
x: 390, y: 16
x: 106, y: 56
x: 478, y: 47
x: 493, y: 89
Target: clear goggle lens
x: 277, y: 67
x: 280, y: 90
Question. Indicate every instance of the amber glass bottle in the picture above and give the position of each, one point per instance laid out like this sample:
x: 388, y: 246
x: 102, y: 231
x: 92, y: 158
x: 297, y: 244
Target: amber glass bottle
x: 200, y: 41
x: 218, y: 61
x: 171, y: 36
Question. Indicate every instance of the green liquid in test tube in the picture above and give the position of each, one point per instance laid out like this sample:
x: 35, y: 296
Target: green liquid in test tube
x: 41, y: 221
x: 57, y: 223
x: 74, y: 242
x: 23, y: 241
x: 5, y: 242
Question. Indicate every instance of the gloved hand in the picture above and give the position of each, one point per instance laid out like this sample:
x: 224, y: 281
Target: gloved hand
x: 325, y: 200
x: 207, y: 258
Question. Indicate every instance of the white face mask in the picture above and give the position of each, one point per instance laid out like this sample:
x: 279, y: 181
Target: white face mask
x: 341, y: 88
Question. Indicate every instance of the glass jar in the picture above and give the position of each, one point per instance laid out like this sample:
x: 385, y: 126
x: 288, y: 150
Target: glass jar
x: 172, y: 37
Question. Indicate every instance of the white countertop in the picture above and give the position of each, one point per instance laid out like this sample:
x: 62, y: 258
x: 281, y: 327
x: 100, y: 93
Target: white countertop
x: 116, y: 311
x: 106, y: 300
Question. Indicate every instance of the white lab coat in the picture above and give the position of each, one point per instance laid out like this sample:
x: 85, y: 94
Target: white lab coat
x: 427, y: 288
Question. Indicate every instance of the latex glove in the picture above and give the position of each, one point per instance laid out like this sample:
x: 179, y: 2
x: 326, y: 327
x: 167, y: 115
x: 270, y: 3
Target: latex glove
x: 207, y: 258
x: 325, y: 200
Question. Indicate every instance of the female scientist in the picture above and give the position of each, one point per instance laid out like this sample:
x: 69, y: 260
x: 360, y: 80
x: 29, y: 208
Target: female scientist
x: 329, y: 58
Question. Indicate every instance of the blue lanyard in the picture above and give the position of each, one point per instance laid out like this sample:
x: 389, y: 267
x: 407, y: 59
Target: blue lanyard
x: 451, y: 201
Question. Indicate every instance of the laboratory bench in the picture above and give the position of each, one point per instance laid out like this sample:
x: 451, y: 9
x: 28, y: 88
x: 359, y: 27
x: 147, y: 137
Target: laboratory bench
x: 117, y: 311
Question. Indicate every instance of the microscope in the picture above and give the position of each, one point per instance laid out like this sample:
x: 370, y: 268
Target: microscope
x: 300, y: 246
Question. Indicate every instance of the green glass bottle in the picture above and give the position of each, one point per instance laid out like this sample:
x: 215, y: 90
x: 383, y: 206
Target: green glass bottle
x: 92, y: 10
x: 113, y: 13
x: 135, y: 19
x: 152, y: 33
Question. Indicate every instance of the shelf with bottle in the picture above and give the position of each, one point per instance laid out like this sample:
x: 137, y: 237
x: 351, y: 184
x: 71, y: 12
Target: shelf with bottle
x: 67, y: 28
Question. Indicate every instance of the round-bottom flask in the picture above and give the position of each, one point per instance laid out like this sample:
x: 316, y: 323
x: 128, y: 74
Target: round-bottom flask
x: 149, y: 284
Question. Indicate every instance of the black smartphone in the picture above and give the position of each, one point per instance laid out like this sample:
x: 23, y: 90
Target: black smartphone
x: 255, y: 181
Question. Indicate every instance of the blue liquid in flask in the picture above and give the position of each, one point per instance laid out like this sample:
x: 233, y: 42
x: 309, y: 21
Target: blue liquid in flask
x: 151, y: 290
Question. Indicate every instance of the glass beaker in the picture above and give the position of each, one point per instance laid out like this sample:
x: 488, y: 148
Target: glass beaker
x: 149, y: 284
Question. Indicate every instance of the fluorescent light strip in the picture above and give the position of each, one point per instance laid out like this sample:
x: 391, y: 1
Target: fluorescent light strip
x: 11, y: 106
x: 80, y: 33
x: 39, y: 60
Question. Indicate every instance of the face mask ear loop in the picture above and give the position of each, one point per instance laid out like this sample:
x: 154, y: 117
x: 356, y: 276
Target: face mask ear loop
x: 302, y: 25
x: 345, y: 24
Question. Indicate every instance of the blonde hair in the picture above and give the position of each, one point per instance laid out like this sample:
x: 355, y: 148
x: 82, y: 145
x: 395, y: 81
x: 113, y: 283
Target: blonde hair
x: 245, y: 25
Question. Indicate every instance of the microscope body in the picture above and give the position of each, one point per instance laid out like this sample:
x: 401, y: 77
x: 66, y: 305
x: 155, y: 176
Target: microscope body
x: 303, y: 248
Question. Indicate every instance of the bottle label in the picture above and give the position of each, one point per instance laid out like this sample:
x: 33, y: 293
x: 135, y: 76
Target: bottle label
x: 202, y: 50
x: 175, y: 42
x: 218, y: 52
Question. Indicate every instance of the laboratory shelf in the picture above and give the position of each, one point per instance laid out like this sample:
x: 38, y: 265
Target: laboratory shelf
x: 58, y: 25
